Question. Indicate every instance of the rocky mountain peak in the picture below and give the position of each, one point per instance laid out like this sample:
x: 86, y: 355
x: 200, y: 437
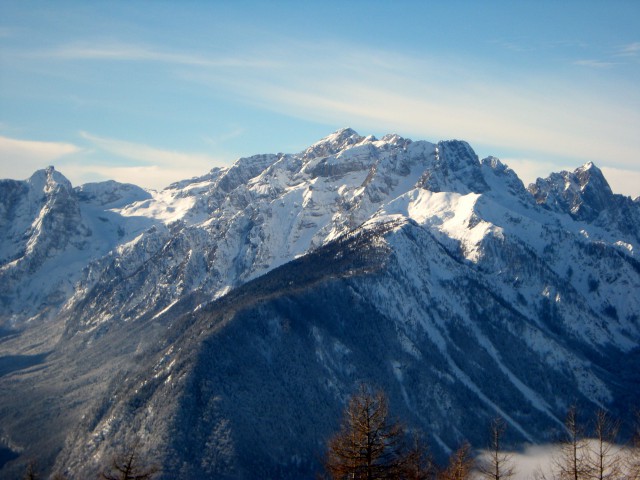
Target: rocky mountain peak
x: 591, y: 177
x: 395, y: 139
x: 456, y: 167
x: 583, y: 193
x: 334, y: 143
x: 47, y: 181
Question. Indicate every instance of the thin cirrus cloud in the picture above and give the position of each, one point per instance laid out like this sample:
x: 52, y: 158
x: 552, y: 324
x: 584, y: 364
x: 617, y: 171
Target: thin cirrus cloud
x: 417, y: 95
x: 428, y: 97
x: 152, y: 167
x: 594, y: 63
x: 148, y: 166
x: 439, y: 98
x: 129, y: 52
x: 629, y: 50
x: 433, y: 97
x: 23, y: 157
x: 154, y: 177
x: 621, y: 55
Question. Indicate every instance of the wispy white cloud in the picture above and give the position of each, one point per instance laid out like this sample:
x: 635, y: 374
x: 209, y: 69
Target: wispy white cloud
x: 12, y: 148
x: 132, y: 52
x: 437, y: 98
x: 512, y: 45
x: 20, y: 158
x: 629, y: 50
x: 148, y: 167
x: 432, y: 97
x: 155, y: 177
x: 594, y: 63
x: 146, y: 153
x: 522, y: 45
x: 152, y: 167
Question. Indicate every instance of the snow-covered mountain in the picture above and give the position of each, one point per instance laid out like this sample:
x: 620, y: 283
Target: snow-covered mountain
x: 268, y: 289
x: 49, y: 233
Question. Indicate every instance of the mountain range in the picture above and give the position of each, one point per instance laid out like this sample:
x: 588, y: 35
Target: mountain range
x: 223, y: 322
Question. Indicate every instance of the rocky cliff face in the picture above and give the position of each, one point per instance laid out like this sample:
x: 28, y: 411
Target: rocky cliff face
x: 225, y: 320
x: 40, y: 222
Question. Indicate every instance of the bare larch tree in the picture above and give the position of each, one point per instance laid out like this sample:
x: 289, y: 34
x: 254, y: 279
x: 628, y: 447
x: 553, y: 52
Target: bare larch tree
x: 497, y: 465
x: 368, y: 446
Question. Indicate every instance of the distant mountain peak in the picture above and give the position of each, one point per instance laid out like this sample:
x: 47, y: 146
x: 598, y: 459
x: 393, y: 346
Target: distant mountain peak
x: 395, y: 139
x: 47, y: 178
x: 583, y: 193
x: 334, y: 143
x: 591, y: 176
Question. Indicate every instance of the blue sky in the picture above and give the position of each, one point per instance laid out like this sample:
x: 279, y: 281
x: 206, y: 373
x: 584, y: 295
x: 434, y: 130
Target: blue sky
x: 153, y: 92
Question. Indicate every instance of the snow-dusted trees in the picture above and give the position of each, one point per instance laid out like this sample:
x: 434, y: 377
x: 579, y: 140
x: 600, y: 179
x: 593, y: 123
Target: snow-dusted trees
x: 371, y: 446
x: 496, y: 465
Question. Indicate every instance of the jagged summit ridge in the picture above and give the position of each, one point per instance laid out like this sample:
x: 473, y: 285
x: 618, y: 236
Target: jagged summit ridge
x: 413, y: 265
x: 583, y: 193
x: 334, y: 143
x: 239, y: 222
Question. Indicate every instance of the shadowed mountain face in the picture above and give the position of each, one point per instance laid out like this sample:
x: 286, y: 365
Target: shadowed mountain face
x: 237, y: 312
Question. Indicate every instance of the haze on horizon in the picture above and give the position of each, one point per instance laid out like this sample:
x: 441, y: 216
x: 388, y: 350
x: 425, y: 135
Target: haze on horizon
x: 151, y: 93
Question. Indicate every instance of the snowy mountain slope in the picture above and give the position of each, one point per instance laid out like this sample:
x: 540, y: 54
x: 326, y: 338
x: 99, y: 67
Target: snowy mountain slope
x: 244, y: 221
x: 409, y: 264
x: 41, y: 220
x: 253, y: 384
x: 50, y: 233
x: 239, y: 223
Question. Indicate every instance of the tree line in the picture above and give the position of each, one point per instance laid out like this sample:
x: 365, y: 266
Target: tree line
x: 127, y: 465
x: 370, y: 446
